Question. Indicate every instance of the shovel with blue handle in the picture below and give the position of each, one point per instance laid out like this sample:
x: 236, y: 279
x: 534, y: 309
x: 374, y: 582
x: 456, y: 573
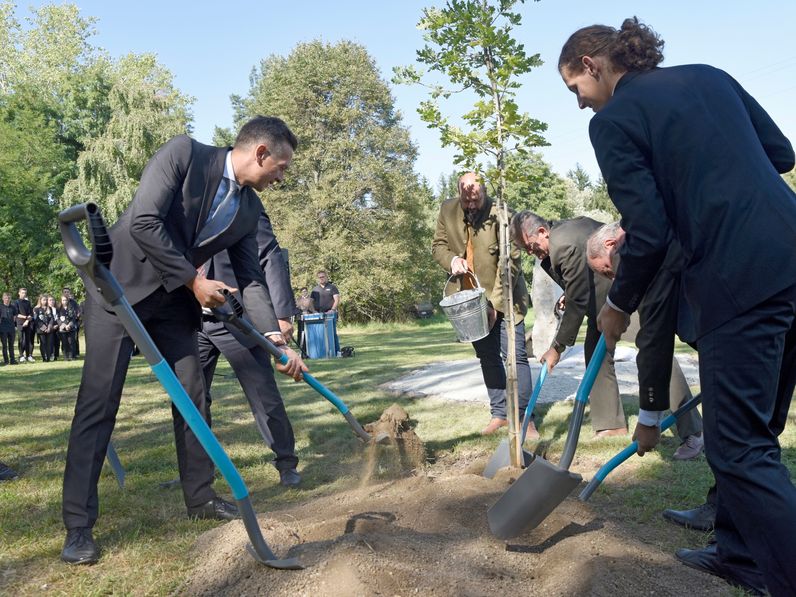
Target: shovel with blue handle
x: 543, y: 486
x: 609, y: 466
x: 234, y: 316
x: 95, y: 264
x: 502, y: 456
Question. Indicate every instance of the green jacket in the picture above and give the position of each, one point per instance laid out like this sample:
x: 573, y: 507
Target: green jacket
x: 450, y: 240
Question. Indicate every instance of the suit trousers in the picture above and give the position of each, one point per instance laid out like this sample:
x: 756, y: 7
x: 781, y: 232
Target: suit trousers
x: 492, y: 352
x: 252, y: 366
x: 171, y: 320
x: 7, y: 339
x: 606, y: 406
x: 748, y: 374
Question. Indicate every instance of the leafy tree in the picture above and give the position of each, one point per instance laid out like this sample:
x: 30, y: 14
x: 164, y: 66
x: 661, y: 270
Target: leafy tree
x: 448, y: 186
x: 351, y: 203
x: 470, y: 43
x: 29, y: 172
x: 541, y: 190
x: 145, y: 111
x: 790, y: 178
x: 580, y: 177
x: 601, y: 201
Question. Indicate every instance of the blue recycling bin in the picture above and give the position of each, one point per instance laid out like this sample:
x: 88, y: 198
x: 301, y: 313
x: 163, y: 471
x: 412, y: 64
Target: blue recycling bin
x: 320, y: 332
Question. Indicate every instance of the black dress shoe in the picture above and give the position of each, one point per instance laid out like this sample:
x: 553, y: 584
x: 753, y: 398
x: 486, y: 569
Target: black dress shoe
x: 7, y: 473
x: 289, y: 478
x: 215, y: 509
x: 701, y: 518
x: 79, y: 547
x: 707, y: 560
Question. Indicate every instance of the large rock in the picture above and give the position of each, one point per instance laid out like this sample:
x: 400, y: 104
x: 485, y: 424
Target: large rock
x: 544, y: 294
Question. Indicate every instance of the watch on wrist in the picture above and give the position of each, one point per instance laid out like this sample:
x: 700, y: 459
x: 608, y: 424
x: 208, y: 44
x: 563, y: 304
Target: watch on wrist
x: 558, y: 347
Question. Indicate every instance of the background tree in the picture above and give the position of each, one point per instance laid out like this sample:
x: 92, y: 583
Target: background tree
x: 145, y: 110
x: 600, y: 201
x: 351, y: 203
x: 790, y: 178
x: 580, y: 177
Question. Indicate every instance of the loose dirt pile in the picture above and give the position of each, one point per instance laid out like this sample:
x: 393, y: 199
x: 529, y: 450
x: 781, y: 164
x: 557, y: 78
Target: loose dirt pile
x: 428, y: 535
x: 400, y: 454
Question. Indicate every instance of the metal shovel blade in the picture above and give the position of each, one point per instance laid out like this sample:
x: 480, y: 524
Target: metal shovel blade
x: 531, y: 498
x: 502, y: 458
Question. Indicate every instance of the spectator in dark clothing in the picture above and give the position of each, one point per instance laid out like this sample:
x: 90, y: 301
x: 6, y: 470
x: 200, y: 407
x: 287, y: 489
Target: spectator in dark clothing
x: 67, y: 327
x: 24, y: 326
x: 8, y: 319
x: 43, y: 323
x: 67, y: 292
x: 52, y: 308
x: 326, y: 298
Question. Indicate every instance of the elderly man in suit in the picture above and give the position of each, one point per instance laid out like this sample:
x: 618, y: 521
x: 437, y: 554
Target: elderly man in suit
x: 561, y: 245
x: 193, y: 202
x: 662, y: 384
x: 466, y: 242
x: 251, y: 362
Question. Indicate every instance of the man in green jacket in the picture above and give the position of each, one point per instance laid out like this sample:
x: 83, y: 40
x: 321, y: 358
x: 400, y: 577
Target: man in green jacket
x: 467, y: 239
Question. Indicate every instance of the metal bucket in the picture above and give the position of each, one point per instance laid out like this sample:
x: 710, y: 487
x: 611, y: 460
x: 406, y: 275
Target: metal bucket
x: 466, y: 310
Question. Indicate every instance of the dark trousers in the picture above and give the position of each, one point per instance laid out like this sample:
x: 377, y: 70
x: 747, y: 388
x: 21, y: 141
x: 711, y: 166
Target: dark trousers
x: 7, y: 339
x: 46, y: 346
x: 68, y: 343
x: 171, y: 320
x: 492, y: 352
x: 25, y: 340
x: 253, y: 369
x: 748, y: 374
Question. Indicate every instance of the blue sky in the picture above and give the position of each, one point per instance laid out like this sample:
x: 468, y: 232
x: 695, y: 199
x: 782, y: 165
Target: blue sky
x: 211, y: 47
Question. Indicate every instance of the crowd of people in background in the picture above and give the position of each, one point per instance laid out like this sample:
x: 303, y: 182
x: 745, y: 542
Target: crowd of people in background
x: 53, y: 323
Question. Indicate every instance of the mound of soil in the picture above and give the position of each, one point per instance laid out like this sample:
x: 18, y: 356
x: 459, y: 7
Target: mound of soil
x: 428, y: 535
x: 396, y: 450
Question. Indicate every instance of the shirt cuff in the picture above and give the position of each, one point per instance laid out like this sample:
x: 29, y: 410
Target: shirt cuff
x: 610, y: 303
x: 651, y: 418
x: 455, y: 257
x: 266, y: 334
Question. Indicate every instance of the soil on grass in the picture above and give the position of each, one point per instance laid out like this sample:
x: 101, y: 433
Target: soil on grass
x: 427, y: 534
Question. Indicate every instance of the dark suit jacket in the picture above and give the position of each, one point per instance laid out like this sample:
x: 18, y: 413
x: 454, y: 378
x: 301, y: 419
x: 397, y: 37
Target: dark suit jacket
x: 567, y: 265
x: 277, y: 277
x: 450, y: 240
x: 154, y: 240
x: 686, y: 149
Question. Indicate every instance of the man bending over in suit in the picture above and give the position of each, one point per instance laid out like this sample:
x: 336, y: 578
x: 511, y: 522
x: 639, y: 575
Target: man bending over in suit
x: 561, y: 245
x: 661, y: 382
x: 250, y: 361
x: 193, y: 201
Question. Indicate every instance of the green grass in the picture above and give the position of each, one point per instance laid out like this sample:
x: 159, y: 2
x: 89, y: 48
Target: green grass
x: 143, y: 531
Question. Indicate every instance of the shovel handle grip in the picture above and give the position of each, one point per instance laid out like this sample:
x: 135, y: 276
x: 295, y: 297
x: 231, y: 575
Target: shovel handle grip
x: 77, y: 252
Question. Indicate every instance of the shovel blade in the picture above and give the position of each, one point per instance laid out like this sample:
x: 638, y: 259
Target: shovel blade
x: 502, y: 458
x: 531, y: 498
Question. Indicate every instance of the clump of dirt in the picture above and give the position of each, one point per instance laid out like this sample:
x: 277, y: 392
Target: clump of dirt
x: 428, y: 535
x: 396, y: 451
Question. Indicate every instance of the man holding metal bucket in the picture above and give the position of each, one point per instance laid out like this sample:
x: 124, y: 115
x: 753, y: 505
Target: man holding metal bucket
x: 466, y: 245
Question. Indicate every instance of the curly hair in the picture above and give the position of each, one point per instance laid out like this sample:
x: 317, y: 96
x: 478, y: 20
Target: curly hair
x: 632, y: 47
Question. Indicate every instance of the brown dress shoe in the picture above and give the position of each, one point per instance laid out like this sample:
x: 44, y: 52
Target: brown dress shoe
x: 611, y: 432
x: 493, y: 426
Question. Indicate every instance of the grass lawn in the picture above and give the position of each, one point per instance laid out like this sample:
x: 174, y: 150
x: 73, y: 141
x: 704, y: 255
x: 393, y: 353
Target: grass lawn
x: 143, y: 532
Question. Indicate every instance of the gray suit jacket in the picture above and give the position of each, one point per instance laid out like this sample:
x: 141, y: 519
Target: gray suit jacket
x: 154, y: 240
x: 277, y: 277
x: 566, y: 264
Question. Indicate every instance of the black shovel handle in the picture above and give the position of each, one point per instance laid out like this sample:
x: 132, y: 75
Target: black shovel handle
x: 94, y: 262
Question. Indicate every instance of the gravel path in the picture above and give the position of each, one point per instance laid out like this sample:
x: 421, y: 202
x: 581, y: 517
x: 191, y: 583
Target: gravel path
x: 461, y: 380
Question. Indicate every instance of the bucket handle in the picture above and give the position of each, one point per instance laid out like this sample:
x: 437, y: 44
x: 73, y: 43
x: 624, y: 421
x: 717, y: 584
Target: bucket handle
x: 477, y: 283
